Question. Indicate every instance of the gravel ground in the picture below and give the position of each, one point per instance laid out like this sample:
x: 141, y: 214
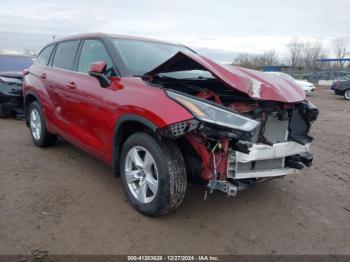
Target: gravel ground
x: 63, y: 201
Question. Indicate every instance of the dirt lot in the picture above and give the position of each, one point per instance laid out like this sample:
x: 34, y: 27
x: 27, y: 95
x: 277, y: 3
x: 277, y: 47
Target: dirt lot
x: 64, y: 201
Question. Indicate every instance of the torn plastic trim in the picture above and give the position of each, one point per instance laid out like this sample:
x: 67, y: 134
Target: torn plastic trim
x: 300, y: 122
x: 215, y: 132
x: 309, y: 110
x: 178, y: 129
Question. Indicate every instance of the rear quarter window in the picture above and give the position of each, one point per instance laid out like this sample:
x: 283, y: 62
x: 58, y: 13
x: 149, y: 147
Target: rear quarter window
x: 65, y: 55
x: 44, y: 56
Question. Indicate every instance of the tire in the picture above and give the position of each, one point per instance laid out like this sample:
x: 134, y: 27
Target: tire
x: 347, y: 94
x: 167, y: 170
x: 41, y: 137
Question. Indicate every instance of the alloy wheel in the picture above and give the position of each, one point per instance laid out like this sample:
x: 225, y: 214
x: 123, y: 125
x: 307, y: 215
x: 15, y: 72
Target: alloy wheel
x: 35, y: 124
x: 141, y: 174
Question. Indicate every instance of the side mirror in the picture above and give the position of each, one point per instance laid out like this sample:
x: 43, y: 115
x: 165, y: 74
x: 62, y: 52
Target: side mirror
x: 98, y: 70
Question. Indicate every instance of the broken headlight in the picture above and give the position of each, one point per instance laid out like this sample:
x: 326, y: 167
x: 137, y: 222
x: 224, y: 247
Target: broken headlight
x: 207, y: 112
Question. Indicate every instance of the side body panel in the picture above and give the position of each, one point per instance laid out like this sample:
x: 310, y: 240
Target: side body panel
x: 87, y: 116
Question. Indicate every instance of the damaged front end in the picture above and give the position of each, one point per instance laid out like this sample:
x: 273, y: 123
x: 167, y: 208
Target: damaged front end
x: 239, y: 136
x: 242, y: 148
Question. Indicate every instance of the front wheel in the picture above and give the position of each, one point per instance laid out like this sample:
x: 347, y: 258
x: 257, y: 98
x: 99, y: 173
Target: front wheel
x: 41, y: 137
x: 347, y: 94
x: 153, y: 174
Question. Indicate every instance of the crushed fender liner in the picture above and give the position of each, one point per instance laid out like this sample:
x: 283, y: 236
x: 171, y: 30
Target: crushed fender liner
x: 300, y: 122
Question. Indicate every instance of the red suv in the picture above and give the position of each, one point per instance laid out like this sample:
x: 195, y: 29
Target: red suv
x: 161, y: 115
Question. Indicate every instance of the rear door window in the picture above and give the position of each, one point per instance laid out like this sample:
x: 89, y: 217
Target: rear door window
x: 65, y: 55
x: 93, y: 50
x: 44, y: 56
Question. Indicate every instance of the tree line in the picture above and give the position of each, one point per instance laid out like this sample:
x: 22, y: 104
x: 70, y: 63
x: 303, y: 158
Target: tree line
x: 303, y: 54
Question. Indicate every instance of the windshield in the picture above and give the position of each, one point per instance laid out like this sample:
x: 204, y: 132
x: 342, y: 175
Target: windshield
x: 141, y: 56
x: 14, y: 62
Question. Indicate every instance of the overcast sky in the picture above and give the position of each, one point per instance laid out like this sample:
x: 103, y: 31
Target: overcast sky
x: 223, y: 25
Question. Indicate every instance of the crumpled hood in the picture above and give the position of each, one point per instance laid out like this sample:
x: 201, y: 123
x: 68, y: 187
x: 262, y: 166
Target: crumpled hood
x: 256, y: 84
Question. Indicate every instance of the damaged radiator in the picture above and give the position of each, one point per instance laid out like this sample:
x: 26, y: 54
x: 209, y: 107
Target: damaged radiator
x: 265, y: 160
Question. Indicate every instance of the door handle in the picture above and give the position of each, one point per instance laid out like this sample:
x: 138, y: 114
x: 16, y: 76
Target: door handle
x: 71, y: 85
x: 43, y: 76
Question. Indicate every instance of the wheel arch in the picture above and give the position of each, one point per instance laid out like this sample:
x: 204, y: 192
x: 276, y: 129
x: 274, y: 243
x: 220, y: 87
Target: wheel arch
x: 28, y: 99
x: 127, y: 125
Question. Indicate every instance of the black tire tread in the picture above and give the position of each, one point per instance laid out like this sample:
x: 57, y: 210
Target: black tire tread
x: 178, y: 181
x: 175, y: 169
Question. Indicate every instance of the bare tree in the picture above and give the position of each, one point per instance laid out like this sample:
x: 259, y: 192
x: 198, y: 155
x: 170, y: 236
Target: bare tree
x: 245, y: 60
x: 253, y: 61
x: 267, y: 59
x: 340, y: 50
x: 312, y: 52
x: 295, y: 48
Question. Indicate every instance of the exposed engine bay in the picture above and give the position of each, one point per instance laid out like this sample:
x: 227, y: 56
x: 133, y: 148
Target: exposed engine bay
x: 235, y: 140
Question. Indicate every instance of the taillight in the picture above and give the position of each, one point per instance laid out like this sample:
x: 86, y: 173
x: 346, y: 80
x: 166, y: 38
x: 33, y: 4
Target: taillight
x: 337, y: 83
